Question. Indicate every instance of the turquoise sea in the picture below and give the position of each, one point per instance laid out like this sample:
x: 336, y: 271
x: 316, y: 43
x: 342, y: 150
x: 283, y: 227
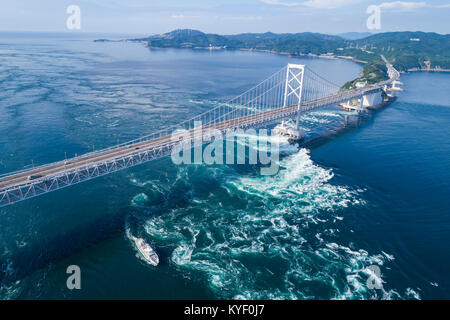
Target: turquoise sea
x: 363, y: 191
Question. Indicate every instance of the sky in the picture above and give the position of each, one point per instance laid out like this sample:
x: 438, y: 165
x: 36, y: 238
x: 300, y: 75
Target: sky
x: 225, y: 16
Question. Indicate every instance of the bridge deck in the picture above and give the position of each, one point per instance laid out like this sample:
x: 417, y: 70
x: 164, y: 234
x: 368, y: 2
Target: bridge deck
x: 29, y: 183
x: 71, y: 164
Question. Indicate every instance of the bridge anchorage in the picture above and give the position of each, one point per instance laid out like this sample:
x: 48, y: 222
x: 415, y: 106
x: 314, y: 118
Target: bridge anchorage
x: 284, y: 96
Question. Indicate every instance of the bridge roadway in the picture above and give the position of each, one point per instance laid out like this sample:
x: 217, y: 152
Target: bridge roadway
x: 42, y: 173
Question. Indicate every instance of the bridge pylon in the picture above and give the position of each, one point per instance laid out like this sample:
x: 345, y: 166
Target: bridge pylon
x: 284, y: 95
x: 295, y: 74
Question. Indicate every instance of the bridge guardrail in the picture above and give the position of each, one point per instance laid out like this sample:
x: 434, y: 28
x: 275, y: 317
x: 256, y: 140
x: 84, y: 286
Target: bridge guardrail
x: 220, y: 114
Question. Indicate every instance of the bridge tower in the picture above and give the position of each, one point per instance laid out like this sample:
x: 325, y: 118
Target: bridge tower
x: 295, y: 74
x: 292, y: 97
x: 283, y: 95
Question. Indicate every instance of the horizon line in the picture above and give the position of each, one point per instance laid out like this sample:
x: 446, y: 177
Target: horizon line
x: 75, y: 32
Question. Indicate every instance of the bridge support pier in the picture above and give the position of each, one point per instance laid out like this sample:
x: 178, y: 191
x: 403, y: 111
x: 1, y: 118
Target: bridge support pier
x: 372, y: 100
x: 369, y: 101
x: 261, y: 105
x: 393, y: 89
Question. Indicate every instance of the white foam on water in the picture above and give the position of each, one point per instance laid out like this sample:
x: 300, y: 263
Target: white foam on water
x: 266, y: 143
x: 390, y: 257
x: 139, y: 199
x: 151, y: 183
x: 310, y: 118
x: 9, y: 291
x: 128, y: 229
x: 274, y: 230
x: 299, y: 178
x: 326, y: 114
x: 205, y: 102
x: 268, y: 237
x: 412, y: 294
x: 80, y: 119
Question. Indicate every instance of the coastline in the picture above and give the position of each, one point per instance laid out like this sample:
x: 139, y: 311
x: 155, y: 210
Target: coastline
x: 426, y: 70
x: 331, y: 57
x: 322, y: 56
x: 312, y: 55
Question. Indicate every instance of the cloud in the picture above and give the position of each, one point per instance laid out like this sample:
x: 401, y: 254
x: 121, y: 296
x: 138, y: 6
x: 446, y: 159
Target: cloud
x: 282, y: 3
x: 328, y: 4
x: 409, y: 5
x: 403, y: 5
x: 332, y: 4
x: 320, y: 4
x: 243, y: 18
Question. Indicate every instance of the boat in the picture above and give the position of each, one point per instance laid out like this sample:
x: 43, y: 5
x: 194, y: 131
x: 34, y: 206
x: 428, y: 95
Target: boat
x: 147, y: 251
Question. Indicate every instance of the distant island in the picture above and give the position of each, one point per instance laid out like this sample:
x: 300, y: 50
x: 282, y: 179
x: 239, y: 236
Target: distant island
x: 407, y: 51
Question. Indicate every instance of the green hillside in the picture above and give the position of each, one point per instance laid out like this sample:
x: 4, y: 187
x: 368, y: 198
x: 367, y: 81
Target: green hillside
x: 405, y: 50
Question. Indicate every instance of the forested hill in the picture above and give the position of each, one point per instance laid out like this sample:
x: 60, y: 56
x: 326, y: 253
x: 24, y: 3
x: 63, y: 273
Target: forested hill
x: 295, y: 44
x: 406, y: 50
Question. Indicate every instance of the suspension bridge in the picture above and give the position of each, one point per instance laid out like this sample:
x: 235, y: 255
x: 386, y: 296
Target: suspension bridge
x: 288, y: 93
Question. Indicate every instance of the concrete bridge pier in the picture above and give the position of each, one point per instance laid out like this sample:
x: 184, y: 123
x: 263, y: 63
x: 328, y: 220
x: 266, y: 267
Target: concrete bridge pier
x: 372, y: 100
x: 368, y: 101
x: 393, y: 89
x: 280, y: 96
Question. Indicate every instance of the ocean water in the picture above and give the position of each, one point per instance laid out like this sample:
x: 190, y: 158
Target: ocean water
x: 362, y: 191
